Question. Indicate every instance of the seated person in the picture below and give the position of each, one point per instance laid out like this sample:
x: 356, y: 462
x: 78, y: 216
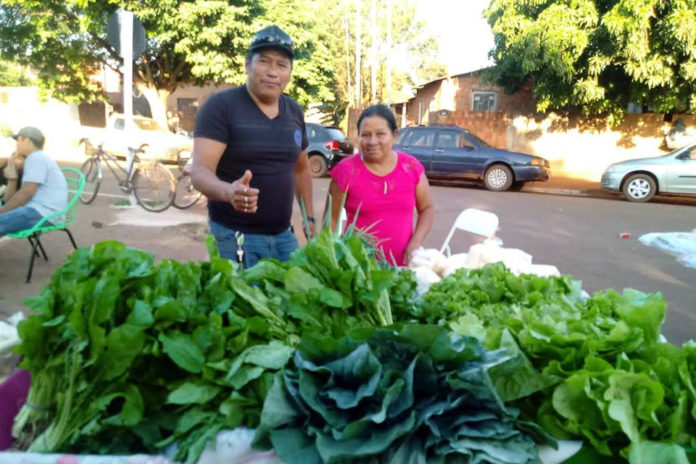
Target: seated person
x: 10, y: 176
x: 44, y: 190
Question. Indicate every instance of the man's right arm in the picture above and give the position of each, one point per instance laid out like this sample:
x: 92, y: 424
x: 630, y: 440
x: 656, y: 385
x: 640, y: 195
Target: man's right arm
x: 239, y: 194
x: 206, y: 156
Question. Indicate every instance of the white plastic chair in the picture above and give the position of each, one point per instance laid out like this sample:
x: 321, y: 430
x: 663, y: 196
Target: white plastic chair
x: 472, y: 220
x: 342, y: 218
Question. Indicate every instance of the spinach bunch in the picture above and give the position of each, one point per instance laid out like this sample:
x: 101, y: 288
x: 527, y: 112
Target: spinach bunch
x: 130, y: 356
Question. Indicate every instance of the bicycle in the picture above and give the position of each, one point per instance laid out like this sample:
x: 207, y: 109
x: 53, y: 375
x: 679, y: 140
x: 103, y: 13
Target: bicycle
x: 150, y: 181
x: 186, y: 194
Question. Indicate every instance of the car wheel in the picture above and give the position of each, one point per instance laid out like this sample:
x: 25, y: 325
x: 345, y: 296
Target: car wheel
x: 498, y: 178
x: 639, y: 188
x: 318, y: 165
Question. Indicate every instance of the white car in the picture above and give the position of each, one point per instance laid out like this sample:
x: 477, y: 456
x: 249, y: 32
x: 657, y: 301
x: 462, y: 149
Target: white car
x: 641, y: 179
x: 161, y: 144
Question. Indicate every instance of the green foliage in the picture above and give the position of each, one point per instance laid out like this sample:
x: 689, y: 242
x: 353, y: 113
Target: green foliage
x: 12, y: 75
x: 129, y: 356
x: 597, y: 55
x: 419, y: 394
x: 189, y: 42
x: 592, y: 369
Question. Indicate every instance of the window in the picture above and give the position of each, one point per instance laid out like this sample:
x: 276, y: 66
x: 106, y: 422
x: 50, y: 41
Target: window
x: 484, y: 101
x: 4, y: 97
x: 403, y: 136
x: 422, y: 138
x: 449, y: 139
x: 183, y: 103
x: 336, y: 134
x: 477, y: 140
x: 312, y: 132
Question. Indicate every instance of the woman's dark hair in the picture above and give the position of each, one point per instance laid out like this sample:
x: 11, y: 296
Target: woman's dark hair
x: 382, y: 111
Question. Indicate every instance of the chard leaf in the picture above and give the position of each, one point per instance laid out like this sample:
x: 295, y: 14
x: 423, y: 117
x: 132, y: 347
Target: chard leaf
x: 183, y: 351
x: 193, y: 393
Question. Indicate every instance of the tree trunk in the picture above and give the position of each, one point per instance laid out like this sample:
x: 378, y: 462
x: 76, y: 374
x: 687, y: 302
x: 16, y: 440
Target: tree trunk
x: 157, y: 98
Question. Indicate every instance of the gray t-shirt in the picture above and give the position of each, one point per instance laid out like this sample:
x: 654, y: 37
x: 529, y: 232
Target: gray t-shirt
x: 52, y: 192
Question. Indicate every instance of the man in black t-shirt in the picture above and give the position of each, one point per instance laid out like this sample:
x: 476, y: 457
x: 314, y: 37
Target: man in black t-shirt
x: 250, y: 159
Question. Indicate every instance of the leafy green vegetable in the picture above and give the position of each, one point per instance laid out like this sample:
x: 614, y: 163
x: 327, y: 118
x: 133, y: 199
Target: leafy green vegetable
x: 591, y: 369
x: 420, y: 394
x: 128, y: 356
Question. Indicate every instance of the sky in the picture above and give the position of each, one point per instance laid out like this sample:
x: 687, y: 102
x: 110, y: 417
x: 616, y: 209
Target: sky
x: 465, y: 37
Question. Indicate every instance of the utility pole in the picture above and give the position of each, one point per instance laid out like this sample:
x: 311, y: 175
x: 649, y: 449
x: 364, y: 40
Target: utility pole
x: 373, y: 52
x: 358, y: 51
x: 389, y: 52
x: 348, y: 83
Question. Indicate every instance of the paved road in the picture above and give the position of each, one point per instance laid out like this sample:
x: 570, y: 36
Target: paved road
x: 578, y: 234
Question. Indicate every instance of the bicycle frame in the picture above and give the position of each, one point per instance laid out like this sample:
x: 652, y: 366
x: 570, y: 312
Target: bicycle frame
x: 126, y: 182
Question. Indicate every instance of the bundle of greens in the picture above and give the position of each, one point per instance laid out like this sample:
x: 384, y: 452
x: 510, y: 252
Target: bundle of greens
x: 129, y: 356
x: 420, y: 394
x: 592, y: 369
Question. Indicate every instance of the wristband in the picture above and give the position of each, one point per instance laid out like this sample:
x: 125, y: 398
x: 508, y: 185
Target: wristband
x: 310, y: 219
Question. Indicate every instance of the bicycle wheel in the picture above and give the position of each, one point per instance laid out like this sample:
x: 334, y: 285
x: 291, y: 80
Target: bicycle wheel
x: 154, y: 186
x: 186, y: 195
x: 90, y: 169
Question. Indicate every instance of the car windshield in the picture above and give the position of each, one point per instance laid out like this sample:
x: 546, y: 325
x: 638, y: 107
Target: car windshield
x: 477, y: 140
x: 336, y: 134
x: 147, y: 125
x: 681, y: 150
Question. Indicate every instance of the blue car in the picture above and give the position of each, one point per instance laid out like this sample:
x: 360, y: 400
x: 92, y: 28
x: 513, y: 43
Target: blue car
x: 454, y: 153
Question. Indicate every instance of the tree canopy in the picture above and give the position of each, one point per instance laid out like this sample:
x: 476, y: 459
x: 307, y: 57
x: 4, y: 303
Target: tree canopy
x: 597, y: 55
x: 193, y: 42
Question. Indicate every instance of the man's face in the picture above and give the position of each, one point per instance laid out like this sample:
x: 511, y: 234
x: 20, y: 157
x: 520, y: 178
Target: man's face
x: 24, y: 146
x: 268, y: 73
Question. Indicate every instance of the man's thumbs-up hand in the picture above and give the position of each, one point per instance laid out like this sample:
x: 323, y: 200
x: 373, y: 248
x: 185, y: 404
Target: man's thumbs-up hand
x: 242, y: 197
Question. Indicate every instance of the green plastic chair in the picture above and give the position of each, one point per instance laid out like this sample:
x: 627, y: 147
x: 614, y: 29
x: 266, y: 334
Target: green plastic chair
x: 59, y: 220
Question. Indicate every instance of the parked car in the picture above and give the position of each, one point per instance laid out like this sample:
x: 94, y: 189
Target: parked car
x: 162, y: 144
x: 641, y: 179
x: 451, y: 152
x: 327, y: 146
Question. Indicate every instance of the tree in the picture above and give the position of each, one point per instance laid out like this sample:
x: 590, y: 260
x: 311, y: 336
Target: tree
x: 313, y: 77
x: 12, y: 75
x: 408, y: 57
x: 189, y: 42
x: 597, y: 55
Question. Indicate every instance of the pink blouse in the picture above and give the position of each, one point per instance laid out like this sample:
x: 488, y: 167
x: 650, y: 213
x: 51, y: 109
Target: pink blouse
x: 384, y: 204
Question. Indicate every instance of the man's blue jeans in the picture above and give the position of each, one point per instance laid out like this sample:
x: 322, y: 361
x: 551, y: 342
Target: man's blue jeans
x: 256, y: 246
x: 18, y: 219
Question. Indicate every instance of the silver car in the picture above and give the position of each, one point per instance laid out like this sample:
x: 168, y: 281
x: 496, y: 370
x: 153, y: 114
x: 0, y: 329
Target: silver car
x: 641, y: 179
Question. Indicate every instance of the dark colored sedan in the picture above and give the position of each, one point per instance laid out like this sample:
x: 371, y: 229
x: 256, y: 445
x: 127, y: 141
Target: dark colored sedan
x: 453, y: 153
x: 327, y: 146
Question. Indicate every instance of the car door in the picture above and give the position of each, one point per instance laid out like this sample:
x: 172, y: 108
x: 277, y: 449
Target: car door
x: 451, y: 154
x: 419, y: 143
x: 476, y: 157
x: 681, y: 176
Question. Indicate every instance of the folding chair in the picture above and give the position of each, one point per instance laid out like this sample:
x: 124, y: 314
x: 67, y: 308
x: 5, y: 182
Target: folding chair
x: 59, y: 220
x: 472, y: 220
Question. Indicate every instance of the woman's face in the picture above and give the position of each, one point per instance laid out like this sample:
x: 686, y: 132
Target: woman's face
x: 376, y: 138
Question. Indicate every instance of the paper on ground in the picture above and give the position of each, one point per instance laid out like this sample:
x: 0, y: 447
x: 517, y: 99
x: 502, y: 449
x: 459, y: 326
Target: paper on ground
x: 680, y: 244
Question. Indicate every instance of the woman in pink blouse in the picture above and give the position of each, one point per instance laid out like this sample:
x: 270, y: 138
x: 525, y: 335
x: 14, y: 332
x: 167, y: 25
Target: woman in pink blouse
x: 383, y: 187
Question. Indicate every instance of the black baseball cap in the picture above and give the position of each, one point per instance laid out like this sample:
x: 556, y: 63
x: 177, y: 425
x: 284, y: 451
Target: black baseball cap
x: 32, y: 133
x: 272, y: 37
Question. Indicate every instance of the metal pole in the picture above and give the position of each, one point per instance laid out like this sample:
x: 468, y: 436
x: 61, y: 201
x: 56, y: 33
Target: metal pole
x: 126, y: 21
